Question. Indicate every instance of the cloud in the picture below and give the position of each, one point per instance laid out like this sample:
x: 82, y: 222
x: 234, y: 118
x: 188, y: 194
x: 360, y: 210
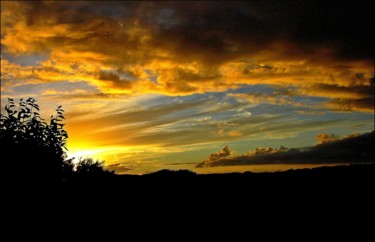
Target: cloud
x: 235, y: 133
x: 189, y: 48
x: 212, y: 158
x: 351, y: 149
x: 172, y: 122
x: 258, y: 98
x: 176, y: 123
x: 348, y: 105
x: 336, y: 91
x: 181, y: 164
x: 264, y: 151
x: 114, y: 81
x: 348, y: 136
x: 354, y: 97
x: 15, y: 75
x: 324, y: 138
x: 119, y: 168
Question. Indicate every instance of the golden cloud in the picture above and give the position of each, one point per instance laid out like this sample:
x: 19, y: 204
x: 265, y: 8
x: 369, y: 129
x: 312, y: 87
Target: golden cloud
x: 235, y: 133
x: 348, y: 105
x: 325, y: 138
x: 135, y: 54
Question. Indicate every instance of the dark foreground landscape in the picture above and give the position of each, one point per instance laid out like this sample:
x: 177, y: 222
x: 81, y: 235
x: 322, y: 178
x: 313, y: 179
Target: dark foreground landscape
x: 333, y: 196
x: 178, y: 195
x: 345, y: 178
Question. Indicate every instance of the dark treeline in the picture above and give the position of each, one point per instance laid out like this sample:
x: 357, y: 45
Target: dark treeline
x: 335, y: 187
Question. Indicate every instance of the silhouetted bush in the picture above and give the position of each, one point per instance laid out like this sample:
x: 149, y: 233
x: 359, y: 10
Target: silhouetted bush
x: 34, y: 150
x: 68, y: 169
x: 89, y: 167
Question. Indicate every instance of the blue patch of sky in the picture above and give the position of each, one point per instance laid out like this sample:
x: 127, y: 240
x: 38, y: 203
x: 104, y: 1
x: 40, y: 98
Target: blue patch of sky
x: 2, y: 46
x: 265, y: 108
x: 210, y: 97
x: 245, y: 89
x: 25, y: 60
x: 126, y: 76
x: 350, y: 118
x: 324, y: 115
x: 270, y: 89
x: 199, y: 104
x: 309, y: 99
x: 153, y: 100
x: 294, y: 139
x: 166, y: 18
x: 153, y: 77
x: 184, y: 113
x: 59, y: 86
x: 195, y: 155
x: 114, y: 10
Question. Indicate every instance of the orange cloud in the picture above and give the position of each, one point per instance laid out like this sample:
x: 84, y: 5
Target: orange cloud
x: 325, y: 138
x: 235, y: 134
x: 13, y: 74
x: 135, y: 54
x: 347, y: 105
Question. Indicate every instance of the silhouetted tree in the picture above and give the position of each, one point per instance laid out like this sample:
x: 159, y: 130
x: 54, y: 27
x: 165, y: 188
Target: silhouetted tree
x: 34, y: 149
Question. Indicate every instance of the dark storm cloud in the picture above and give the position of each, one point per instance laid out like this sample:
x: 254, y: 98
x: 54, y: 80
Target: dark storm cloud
x: 343, y: 104
x: 114, y: 80
x: 227, y: 28
x: 345, y: 98
x: 214, y: 157
x: 351, y: 149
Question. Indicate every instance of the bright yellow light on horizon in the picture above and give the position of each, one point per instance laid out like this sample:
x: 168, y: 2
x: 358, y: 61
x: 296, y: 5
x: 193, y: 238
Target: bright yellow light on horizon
x: 95, y: 153
x: 107, y: 153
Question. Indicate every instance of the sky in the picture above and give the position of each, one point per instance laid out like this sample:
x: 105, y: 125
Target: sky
x: 162, y: 85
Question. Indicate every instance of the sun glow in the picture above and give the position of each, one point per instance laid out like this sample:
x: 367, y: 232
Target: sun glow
x: 84, y: 152
x: 108, y: 154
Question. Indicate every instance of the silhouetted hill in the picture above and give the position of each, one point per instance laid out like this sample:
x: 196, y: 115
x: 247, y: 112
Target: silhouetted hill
x: 361, y: 175
x: 189, y: 196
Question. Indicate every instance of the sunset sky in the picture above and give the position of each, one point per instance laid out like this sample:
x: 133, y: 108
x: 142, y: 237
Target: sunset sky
x: 154, y: 85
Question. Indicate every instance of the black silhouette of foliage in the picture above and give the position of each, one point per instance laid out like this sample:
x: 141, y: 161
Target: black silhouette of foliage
x: 68, y: 168
x: 89, y: 167
x: 25, y: 125
x: 35, y: 148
